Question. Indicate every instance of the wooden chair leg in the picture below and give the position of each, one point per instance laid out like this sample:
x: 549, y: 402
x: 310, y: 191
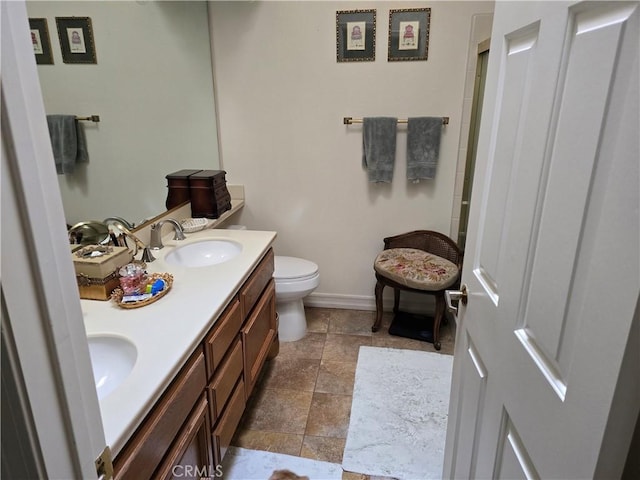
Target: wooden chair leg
x: 436, y: 321
x: 396, y: 300
x: 378, y: 291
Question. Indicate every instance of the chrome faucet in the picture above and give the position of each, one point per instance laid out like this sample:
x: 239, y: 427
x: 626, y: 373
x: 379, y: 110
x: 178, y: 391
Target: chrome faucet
x: 119, y: 220
x: 147, y: 256
x: 156, y: 236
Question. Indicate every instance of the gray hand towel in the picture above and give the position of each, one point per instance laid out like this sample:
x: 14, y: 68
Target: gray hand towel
x: 379, y: 147
x: 423, y: 147
x: 67, y: 142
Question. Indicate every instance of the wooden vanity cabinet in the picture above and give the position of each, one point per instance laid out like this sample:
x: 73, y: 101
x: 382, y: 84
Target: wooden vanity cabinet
x: 235, y: 376
x: 159, y: 435
x: 192, y: 449
x: 190, y: 428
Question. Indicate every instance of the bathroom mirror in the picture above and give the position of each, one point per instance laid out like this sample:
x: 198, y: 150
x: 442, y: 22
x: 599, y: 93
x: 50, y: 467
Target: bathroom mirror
x: 151, y: 86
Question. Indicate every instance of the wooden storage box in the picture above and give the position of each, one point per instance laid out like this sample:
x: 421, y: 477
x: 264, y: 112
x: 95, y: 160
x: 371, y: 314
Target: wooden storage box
x: 178, y: 188
x: 97, y: 268
x: 210, y: 197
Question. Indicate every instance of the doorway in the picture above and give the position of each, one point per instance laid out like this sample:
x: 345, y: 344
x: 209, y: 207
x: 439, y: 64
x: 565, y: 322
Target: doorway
x: 472, y: 145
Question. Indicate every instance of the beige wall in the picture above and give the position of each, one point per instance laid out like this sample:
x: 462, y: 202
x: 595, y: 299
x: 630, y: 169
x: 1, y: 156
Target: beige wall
x: 281, y: 98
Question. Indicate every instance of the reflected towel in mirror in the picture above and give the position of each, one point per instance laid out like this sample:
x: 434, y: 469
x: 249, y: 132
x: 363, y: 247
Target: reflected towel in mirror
x: 67, y: 142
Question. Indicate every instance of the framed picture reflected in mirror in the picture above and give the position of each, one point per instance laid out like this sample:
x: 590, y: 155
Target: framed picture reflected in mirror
x: 41, y: 41
x: 76, y: 39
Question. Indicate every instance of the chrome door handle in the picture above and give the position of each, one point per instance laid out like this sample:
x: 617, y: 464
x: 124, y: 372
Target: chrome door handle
x: 454, y: 296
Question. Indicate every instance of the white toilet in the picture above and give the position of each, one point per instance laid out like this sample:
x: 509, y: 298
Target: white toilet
x: 295, y: 279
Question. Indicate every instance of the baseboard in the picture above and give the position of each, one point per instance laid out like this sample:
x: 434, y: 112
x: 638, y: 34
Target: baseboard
x: 415, y: 304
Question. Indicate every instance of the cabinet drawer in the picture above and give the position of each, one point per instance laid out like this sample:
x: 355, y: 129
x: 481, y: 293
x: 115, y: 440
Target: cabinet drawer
x: 253, y: 287
x: 258, y: 334
x: 223, y: 433
x: 192, y: 448
x: 222, y: 336
x: 226, y: 377
x: 147, y: 447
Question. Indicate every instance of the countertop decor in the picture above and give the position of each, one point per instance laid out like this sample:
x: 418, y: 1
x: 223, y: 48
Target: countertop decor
x: 117, y: 294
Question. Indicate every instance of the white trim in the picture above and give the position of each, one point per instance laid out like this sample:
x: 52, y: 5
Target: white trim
x: 415, y: 304
x: 38, y: 280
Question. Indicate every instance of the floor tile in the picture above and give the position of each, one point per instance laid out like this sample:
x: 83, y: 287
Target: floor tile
x: 278, y: 410
x: 354, y: 476
x: 344, y: 348
x: 318, y: 319
x: 382, y: 338
x: 311, y: 346
x: 336, y: 377
x: 286, y: 443
x: 351, y: 322
x: 329, y: 415
x: 326, y: 449
x: 302, y: 404
x: 291, y: 373
x: 392, y: 341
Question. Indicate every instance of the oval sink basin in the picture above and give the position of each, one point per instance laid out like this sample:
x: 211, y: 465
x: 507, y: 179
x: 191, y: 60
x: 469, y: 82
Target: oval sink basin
x: 112, y: 359
x: 204, y: 253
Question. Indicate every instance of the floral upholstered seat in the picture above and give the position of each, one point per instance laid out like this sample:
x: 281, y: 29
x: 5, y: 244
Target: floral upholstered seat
x: 422, y: 261
x: 416, y: 268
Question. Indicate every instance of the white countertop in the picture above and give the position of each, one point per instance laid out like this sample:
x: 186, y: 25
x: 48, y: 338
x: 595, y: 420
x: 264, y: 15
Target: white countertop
x: 167, y: 331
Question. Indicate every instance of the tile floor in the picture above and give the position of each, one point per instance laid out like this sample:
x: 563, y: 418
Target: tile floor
x: 302, y: 403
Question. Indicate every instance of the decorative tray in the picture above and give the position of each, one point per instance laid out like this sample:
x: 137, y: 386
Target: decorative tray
x: 117, y: 294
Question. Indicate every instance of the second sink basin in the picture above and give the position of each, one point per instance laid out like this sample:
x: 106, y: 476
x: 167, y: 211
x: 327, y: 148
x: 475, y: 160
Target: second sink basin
x: 112, y: 359
x: 204, y: 253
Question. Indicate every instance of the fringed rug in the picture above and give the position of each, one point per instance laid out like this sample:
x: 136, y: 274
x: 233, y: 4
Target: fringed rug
x: 245, y: 464
x: 399, y: 414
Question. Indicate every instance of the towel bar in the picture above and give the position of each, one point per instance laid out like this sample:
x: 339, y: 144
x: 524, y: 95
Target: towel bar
x: 350, y: 120
x: 91, y: 118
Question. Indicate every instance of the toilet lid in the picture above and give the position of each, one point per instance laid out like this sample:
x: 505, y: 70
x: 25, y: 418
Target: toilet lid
x: 292, y: 268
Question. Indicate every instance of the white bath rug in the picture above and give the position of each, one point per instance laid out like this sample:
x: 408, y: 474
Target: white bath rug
x: 399, y: 414
x: 245, y: 464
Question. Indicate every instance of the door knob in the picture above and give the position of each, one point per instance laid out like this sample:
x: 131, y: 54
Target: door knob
x: 454, y: 296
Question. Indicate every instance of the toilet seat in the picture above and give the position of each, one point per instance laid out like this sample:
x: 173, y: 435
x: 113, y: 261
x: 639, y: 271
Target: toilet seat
x: 289, y: 269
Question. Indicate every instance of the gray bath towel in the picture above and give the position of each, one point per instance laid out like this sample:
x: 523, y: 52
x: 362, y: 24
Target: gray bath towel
x: 67, y: 142
x: 379, y: 147
x: 423, y: 147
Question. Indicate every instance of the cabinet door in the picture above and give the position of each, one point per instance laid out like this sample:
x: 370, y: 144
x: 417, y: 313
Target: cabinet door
x: 258, y: 335
x: 191, y: 454
x: 148, y: 446
x: 223, y: 433
x: 255, y: 285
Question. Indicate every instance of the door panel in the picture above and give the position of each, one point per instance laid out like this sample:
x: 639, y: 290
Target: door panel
x: 592, y: 46
x: 513, y: 461
x: 470, y: 405
x: 552, y: 253
x: 515, y: 82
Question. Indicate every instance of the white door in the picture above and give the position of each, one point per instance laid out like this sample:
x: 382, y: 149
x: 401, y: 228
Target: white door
x: 545, y: 379
x: 56, y: 408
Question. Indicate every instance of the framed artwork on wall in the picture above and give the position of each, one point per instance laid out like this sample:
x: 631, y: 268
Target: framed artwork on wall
x: 41, y: 41
x: 76, y: 39
x: 409, y: 34
x: 356, y: 35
